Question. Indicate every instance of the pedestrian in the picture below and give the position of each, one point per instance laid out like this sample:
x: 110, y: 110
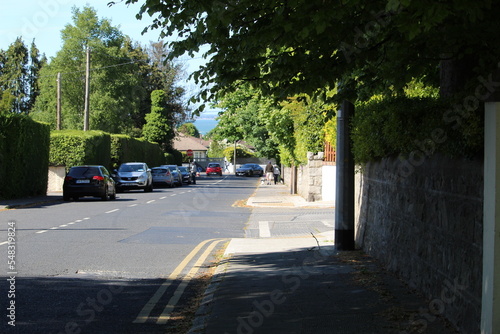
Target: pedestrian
x: 276, y: 174
x: 269, y: 172
x: 194, y: 169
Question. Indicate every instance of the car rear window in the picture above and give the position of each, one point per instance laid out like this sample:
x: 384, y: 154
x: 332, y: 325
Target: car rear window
x: 84, y: 171
x: 213, y: 165
x: 159, y: 170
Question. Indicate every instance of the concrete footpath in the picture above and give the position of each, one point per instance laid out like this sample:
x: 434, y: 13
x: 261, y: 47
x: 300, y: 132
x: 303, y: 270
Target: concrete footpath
x: 285, y: 276
x: 51, y: 197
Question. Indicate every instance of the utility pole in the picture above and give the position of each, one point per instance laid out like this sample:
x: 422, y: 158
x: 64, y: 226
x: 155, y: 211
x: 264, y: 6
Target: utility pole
x: 344, y: 206
x: 87, y: 92
x: 234, y: 158
x: 58, y: 108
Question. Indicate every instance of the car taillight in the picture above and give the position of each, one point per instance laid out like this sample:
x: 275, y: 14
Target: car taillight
x: 68, y: 178
x: 98, y: 178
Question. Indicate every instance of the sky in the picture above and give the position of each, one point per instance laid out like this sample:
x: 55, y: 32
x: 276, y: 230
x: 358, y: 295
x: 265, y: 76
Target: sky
x: 43, y: 20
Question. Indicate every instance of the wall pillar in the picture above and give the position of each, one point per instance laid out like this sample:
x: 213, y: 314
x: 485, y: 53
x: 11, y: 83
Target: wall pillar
x: 490, y: 310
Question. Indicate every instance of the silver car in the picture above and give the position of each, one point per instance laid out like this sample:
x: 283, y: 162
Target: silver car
x: 162, y: 177
x: 176, y: 174
x: 134, y: 175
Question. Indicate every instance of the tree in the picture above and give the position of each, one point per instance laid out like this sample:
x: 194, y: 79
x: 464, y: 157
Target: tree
x: 157, y: 128
x: 244, y: 118
x: 189, y: 129
x: 123, y: 76
x: 364, y: 47
x: 13, y: 78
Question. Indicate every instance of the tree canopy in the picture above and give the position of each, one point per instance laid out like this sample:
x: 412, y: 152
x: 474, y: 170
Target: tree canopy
x: 363, y: 47
x: 123, y: 74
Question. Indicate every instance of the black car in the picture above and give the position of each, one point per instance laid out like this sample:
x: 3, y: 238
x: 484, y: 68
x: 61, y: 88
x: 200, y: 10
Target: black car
x: 88, y: 181
x: 186, y: 175
x: 249, y: 170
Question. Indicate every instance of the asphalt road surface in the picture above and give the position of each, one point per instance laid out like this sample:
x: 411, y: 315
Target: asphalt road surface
x: 119, y: 266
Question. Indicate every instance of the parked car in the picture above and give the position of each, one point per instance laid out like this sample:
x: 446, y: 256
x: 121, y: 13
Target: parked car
x: 214, y: 168
x: 162, y: 177
x: 186, y: 175
x: 88, y: 181
x: 176, y: 174
x: 250, y: 170
x: 134, y: 175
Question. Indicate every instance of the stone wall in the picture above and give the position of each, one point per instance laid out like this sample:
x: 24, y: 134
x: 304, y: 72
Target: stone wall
x: 309, y: 178
x: 425, y: 224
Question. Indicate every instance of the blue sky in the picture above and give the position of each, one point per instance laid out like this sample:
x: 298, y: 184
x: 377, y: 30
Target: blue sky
x: 43, y: 21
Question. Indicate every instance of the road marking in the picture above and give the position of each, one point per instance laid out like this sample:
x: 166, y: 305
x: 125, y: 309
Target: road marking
x: 264, y: 231
x: 173, y: 195
x: 42, y: 231
x: 78, y: 221
x: 3, y: 243
x: 54, y: 228
x: 86, y: 218
x: 146, y: 310
x: 163, y: 197
x: 111, y: 211
x: 71, y: 223
x: 63, y: 225
x: 165, y: 315
x: 151, y: 201
x: 131, y: 205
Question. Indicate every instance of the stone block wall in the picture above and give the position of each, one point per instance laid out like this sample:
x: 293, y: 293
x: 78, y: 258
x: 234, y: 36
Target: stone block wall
x: 425, y: 223
x: 309, y: 178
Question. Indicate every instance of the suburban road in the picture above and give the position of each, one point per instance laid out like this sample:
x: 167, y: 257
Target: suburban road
x: 117, y: 266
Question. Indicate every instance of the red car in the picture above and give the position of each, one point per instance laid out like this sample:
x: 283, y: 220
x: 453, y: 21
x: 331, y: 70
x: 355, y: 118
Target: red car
x: 214, y: 169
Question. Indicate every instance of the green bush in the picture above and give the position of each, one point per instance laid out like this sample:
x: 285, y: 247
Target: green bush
x: 127, y: 149
x: 24, y: 156
x: 74, y: 147
x: 404, y: 126
x: 240, y: 153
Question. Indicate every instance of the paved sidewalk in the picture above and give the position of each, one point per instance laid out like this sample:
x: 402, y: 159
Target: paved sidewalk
x: 287, y: 277
x: 51, y: 197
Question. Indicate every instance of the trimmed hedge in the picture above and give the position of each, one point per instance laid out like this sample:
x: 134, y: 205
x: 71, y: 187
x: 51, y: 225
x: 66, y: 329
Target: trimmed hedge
x: 24, y: 156
x: 415, y: 127
x: 127, y: 149
x: 73, y: 147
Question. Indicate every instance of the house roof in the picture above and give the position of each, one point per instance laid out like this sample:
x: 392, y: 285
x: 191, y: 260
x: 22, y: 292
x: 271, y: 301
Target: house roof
x: 184, y: 142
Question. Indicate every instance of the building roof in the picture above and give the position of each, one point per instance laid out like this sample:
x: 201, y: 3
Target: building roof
x: 184, y: 142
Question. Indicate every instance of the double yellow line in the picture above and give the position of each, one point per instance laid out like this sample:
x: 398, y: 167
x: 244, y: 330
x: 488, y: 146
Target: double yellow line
x: 145, y: 313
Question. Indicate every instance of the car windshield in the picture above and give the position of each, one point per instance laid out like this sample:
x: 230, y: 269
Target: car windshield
x: 247, y: 166
x: 131, y: 168
x: 83, y: 171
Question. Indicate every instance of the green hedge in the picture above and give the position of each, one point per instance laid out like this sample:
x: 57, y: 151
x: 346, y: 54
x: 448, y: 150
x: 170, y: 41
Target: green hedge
x: 415, y: 126
x: 127, y: 149
x: 73, y: 147
x: 24, y: 156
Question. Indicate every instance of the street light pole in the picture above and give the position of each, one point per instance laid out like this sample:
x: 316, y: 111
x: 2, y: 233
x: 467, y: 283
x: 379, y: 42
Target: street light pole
x: 344, y: 206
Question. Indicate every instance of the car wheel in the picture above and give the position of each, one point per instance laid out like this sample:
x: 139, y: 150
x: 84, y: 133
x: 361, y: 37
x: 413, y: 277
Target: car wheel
x: 105, y: 197
x: 113, y: 195
x: 148, y: 188
x: 66, y: 197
